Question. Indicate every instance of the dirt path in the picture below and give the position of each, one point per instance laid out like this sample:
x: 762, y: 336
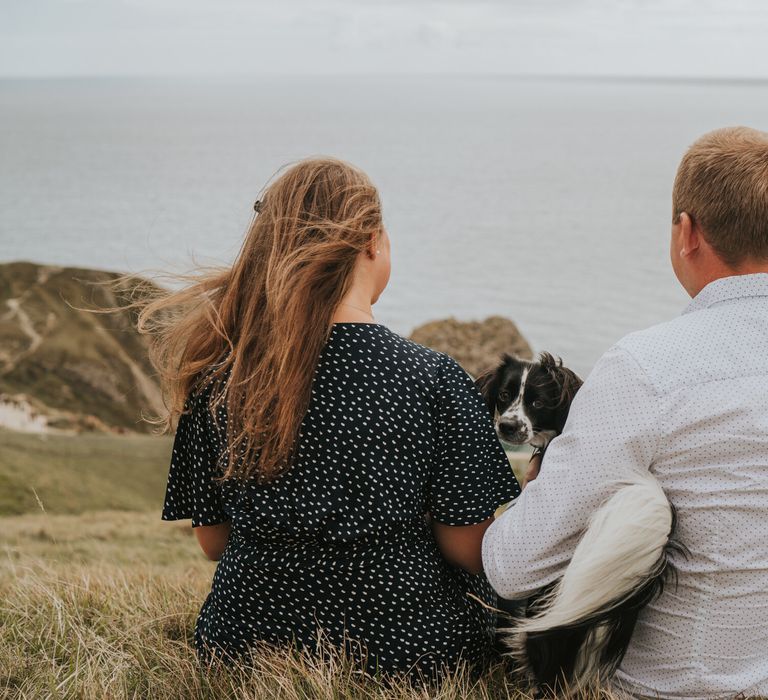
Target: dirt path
x: 25, y: 323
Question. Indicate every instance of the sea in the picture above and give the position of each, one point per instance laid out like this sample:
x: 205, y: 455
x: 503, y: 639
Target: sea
x: 543, y: 200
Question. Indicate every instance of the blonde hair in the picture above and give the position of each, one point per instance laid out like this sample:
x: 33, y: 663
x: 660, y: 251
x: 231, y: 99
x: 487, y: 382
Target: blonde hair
x: 255, y: 331
x: 722, y: 184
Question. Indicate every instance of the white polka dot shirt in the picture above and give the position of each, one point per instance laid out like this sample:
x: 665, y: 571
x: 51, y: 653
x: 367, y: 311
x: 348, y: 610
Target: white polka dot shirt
x: 687, y: 399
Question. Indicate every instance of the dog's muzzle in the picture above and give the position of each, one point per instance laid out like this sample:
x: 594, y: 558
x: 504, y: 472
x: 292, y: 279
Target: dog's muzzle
x: 513, y: 430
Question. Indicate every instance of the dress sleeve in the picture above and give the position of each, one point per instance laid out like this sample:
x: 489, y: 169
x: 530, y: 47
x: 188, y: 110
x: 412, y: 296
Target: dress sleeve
x: 471, y: 475
x: 191, y: 491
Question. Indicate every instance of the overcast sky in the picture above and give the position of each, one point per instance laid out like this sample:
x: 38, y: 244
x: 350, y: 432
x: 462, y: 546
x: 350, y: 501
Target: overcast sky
x: 699, y: 38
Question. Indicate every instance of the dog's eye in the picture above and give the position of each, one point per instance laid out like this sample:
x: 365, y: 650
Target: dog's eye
x: 538, y: 403
x: 504, y: 396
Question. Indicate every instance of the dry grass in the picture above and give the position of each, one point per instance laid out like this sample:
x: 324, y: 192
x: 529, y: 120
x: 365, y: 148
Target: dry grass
x: 103, y: 605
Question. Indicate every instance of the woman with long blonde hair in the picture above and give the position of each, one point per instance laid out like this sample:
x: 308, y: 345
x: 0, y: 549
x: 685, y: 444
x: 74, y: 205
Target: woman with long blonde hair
x: 341, y: 475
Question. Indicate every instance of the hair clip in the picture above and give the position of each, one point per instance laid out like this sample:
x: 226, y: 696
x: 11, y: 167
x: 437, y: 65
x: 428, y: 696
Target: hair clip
x: 257, y: 206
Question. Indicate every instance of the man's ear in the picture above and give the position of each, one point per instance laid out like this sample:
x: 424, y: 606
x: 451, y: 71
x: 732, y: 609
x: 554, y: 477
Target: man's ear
x: 690, y: 235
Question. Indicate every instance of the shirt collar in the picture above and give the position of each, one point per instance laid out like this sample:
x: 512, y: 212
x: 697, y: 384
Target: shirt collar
x: 725, y: 288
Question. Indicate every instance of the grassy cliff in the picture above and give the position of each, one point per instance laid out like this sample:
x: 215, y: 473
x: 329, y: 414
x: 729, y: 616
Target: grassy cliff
x: 80, y: 369
x: 90, y: 371
x: 75, y: 474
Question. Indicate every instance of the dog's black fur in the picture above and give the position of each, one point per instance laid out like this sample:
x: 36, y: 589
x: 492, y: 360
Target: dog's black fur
x: 536, y: 416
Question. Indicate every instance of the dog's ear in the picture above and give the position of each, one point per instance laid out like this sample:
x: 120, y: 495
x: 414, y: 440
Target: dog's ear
x: 571, y: 383
x: 568, y: 381
x: 488, y: 383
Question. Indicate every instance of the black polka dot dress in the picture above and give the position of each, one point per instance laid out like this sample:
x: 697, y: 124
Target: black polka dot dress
x: 339, y: 547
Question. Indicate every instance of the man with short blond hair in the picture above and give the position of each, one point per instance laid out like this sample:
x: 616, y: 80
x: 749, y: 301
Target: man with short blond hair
x: 722, y: 181
x: 687, y: 400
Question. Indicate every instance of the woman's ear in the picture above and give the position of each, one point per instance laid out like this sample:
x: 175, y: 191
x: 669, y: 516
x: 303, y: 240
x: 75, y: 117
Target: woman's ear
x: 372, y: 249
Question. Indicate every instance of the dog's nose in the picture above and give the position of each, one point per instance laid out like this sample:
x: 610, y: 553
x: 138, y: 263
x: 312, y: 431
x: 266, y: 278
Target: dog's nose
x: 511, y: 427
x: 512, y: 423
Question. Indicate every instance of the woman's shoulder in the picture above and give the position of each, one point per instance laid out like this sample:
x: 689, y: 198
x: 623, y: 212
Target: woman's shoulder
x: 441, y: 361
x: 446, y: 374
x: 439, y: 369
x: 443, y: 364
x: 397, y: 347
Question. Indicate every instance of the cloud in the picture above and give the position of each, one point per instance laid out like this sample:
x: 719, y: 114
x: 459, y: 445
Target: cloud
x: 632, y: 37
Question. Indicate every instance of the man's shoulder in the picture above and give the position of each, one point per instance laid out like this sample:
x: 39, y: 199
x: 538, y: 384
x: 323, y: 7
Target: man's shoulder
x: 643, y: 344
x: 670, y: 354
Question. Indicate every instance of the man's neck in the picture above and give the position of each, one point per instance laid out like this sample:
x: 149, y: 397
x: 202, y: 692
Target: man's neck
x: 749, y: 267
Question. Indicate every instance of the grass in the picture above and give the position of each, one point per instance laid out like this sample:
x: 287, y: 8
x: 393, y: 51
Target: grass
x: 103, y: 605
x: 78, y: 473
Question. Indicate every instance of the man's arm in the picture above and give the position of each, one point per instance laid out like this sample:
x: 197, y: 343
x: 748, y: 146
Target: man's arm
x: 613, y: 429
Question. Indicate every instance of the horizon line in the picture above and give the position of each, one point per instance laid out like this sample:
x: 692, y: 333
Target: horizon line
x: 574, y: 77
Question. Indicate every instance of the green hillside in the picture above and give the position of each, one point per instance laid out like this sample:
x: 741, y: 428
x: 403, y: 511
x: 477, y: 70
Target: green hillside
x: 79, y: 473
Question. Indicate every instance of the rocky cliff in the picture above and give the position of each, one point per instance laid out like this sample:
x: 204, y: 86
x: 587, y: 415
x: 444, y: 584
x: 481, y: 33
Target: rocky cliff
x: 62, y: 366
x: 475, y: 345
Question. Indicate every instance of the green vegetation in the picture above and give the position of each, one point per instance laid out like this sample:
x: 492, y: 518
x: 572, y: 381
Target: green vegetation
x: 79, y: 473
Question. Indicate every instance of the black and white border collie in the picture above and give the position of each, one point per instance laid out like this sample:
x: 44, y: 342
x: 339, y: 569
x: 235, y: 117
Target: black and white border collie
x: 576, y: 631
x: 529, y: 400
